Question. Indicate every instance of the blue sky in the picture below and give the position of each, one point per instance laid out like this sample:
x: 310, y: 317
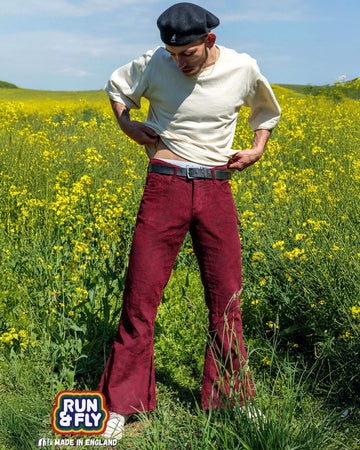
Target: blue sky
x: 76, y: 44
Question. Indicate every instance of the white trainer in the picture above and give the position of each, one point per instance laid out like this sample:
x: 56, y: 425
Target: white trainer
x: 115, y: 426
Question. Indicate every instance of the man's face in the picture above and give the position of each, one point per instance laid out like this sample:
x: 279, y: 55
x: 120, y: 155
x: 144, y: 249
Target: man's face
x: 190, y: 58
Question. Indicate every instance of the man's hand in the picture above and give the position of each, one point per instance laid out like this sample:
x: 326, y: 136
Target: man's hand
x: 245, y: 158
x: 137, y: 131
x: 140, y: 133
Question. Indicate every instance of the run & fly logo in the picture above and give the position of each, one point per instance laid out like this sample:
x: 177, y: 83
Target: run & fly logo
x: 79, y: 412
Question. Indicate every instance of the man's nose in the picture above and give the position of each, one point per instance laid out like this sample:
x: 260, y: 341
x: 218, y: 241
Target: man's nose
x: 181, y: 62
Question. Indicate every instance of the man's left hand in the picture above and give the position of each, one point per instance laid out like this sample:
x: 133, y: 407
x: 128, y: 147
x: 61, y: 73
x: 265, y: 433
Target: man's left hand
x: 243, y: 159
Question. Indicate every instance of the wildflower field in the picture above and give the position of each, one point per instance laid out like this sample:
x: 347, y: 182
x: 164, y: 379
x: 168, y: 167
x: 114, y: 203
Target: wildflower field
x: 70, y: 187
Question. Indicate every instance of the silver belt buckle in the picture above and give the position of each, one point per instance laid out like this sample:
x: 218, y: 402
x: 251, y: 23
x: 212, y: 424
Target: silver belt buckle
x: 188, y: 173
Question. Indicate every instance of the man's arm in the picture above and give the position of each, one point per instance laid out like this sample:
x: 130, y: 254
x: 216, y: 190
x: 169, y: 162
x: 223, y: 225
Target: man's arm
x: 137, y: 131
x: 245, y: 158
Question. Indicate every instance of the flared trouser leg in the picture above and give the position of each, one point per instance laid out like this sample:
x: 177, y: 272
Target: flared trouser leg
x: 216, y: 241
x: 128, y: 381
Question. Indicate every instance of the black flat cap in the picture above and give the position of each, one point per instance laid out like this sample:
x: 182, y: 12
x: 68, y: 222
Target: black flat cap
x: 185, y: 22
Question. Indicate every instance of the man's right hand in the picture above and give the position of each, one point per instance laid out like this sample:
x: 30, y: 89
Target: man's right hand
x: 137, y: 131
x: 140, y: 133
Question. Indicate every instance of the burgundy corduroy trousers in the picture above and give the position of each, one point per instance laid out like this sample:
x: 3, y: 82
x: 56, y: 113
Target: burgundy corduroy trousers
x: 171, y: 206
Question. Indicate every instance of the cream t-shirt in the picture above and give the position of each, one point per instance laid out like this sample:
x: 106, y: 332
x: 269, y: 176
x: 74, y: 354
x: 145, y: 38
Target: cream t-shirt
x: 196, y: 116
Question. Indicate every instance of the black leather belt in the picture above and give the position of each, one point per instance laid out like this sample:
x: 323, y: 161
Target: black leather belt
x: 192, y: 173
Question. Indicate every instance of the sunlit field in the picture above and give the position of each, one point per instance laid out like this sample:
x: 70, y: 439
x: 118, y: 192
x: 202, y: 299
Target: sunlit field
x: 70, y: 187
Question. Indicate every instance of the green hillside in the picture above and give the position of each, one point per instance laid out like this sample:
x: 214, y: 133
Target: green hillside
x: 337, y: 91
x: 14, y: 94
x: 19, y: 94
x: 6, y: 85
x: 298, y: 88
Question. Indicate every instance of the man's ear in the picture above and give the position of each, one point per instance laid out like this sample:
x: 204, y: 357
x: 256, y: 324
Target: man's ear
x: 210, y: 40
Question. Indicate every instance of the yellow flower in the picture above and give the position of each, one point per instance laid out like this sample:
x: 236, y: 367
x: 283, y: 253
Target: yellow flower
x: 258, y: 256
x: 355, y: 311
x: 278, y: 244
x: 295, y: 253
x: 263, y: 281
x: 336, y: 248
x: 272, y: 326
x: 266, y: 361
x: 346, y: 335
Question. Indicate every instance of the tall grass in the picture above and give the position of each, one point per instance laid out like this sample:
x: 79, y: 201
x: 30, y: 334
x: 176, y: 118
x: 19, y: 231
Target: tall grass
x: 69, y: 191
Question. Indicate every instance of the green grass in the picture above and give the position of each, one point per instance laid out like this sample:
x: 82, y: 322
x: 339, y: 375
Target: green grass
x: 295, y: 417
x: 18, y: 94
x: 66, y: 169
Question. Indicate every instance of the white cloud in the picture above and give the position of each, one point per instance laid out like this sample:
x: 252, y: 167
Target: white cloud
x: 265, y: 11
x: 75, y: 72
x: 64, y: 8
x: 51, y: 59
x: 57, y: 43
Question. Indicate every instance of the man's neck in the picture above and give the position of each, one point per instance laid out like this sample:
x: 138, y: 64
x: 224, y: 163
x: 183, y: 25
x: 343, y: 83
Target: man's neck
x: 212, y: 56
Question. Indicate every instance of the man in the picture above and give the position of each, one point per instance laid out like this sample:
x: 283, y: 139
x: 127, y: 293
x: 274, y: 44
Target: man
x: 195, y: 89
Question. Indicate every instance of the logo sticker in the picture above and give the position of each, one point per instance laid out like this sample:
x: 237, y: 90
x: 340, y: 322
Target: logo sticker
x: 79, y: 412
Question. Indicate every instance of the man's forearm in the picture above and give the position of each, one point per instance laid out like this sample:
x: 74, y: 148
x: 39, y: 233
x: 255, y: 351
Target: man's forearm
x: 122, y: 114
x: 261, y: 138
